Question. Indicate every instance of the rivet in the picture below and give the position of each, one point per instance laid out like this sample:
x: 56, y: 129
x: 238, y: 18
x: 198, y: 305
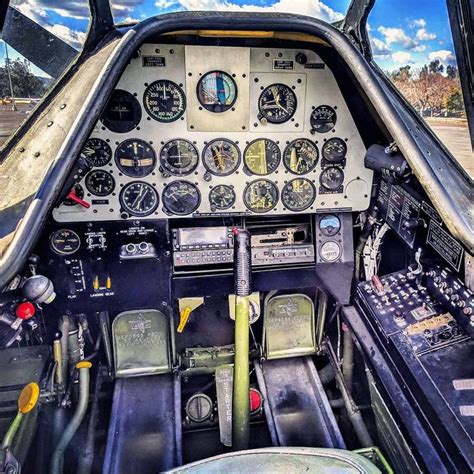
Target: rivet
x: 63, y: 106
x: 21, y: 150
x: 50, y: 123
x: 36, y: 154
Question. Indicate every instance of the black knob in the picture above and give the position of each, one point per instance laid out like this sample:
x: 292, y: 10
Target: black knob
x: 301, y: 58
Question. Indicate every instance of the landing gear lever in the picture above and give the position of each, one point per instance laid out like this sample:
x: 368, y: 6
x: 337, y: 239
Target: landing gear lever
x: 240, y: 403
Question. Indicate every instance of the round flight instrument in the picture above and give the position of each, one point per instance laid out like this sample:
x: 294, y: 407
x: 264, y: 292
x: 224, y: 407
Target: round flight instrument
x: 300, y: 156
x: 179, y: 157
x: 164, y: 101
x: 329, y: 225
x: 64, y: 242
x: 135, y: 158
x: 332, y: 178
x: 122, y: 112
x: 221, y: 197
x: 261, y: 196
x: 323, y: 119
x: 181, y: 198
x: 298, y: 194
x: 139, y: 199
x: 334, y: 150
x: 277, y: 103
x: 216, y: 91
x: 262, y: 156
x: 100, y: 183
x: 221, y: 157
x: 96, y: 152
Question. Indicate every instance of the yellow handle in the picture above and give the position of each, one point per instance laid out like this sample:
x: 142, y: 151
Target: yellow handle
x: 183, y: 318
x: 28, y: 397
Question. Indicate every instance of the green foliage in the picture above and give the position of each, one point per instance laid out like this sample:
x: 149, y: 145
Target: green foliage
x: 436, y: 66
x: 25, y: 83
x: 454, y: 101
x: 452, y: 72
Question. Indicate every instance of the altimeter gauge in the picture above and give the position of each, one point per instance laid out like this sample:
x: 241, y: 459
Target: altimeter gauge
x: 139, y: 199
x: 221, y: 157
x: 298, y: 194
x: 261, y: 196
x: 164, y: 101
x: 262, y: 156
x: 300, y: 156
x: 277, y: 103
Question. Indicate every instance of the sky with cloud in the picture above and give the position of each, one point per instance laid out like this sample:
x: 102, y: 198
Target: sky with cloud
x: 402, y: 32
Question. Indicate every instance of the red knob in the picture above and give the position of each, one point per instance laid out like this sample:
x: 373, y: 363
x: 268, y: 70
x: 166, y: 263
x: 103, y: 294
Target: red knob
x: 74, y: 197
x: 25, y: 310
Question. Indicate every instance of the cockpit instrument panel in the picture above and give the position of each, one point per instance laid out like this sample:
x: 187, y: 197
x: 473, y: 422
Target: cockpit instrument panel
x: 200, y: 131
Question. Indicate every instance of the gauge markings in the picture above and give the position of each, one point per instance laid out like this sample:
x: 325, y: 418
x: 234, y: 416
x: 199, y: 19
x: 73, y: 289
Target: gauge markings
x: 300, y: 156
x: 135, y: 158
x: 100, y: 183
x: 164, y: 101
x: 334, y: 150
x: 298, y: 194
x: 262, y: 156
x: 261, y: 196
x: 96, y: 152
x: 323, y: 118
x: 221, y: 157
x: 179, y: 157
x: 217, y: 91
x: 181, y: 198
x: 139, y: 199
x: 277, y: 103
x: 221, y: 197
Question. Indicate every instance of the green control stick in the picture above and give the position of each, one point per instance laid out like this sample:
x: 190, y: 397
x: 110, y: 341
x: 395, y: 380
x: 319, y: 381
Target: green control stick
x: 240, y: 403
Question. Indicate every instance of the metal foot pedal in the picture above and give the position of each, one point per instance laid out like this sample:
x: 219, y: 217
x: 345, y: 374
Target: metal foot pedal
x: 289, y: 329
x: 141, y: 343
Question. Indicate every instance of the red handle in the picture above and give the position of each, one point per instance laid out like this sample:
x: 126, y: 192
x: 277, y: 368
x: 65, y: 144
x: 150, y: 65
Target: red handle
x: 73, y: 197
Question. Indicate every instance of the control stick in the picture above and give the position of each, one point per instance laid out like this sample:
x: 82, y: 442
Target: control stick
x: 240, y: 402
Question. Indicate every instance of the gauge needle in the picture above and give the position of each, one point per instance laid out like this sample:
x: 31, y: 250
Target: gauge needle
x: 138, y: 198
x: 165, y: 97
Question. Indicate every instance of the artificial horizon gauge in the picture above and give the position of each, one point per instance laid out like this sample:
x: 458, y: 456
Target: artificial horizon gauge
x: 334, y: 150
x: 122, y: 112
x: 216, y: 91
x: 221, y: 157
x: 179, y: 157
x: 298, y: 194
x: 64, y: 242
x: 181, y: 198
x: 323, y: 118
x: 221, y: 197
x: 96, y: 152
x: 276, y: 104
x: 139, y: 199
x: 99, y: 182
x: 329, y: 225
x: 262, y: 156
x: 300, y: 156
x: 135, y: 158
x: 261, y: 196
x: 164, y: 101
x: 332, y: 178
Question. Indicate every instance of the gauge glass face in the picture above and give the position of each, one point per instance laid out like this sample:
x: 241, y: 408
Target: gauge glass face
x: 179, y: 157
x: 323, y: 119
x: 122, y: 112
x: 65, y: 242
x: 135, y: 158
x: 100, y: 183
x: 96, y: 152
x: 330, y: 251
x: 300, y: 156
x: 298, y: 194
x: 181, y: 198
x: 261, y: 196
x: 164, y: 101
x: 221, y: 157
x: 139, y: 199
x: 332, y: 178
x: 79, y: 192
x: 334, y: 150
x: 216, y: 91
x: 329, y: 225
x: 277, y: 103
x: 221, y: 197
x: 262, y: 156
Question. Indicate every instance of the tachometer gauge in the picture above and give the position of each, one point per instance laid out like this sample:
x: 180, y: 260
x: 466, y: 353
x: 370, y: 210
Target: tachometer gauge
x: 261, y: 196
x: 300, y: 156
x: 221, y: 157
x: 221, y: 197
x: 179, y: 157
x: 298, y: 194
x: 332, y: 178
x: 64, y: 242
x: 122, y: 112
x: 135, y: 158
x: 96, y: 152
x: 329, y: 225
x: 323, y: 119
x: 100, y: 183
x: 139, y: 199
x: 164, y: 101
x: 277, y: 103
x: 262, y: 156
x: 181, y: 198
x: 217, y: 91
x: 334, y: 150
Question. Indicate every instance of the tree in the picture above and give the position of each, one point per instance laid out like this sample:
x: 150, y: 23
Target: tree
x: 435, y: 66
x: 25, y: 83
x: 452, y: 72
x: 454, y: 101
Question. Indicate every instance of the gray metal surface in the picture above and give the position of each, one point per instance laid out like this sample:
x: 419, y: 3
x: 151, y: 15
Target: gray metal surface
x: 312, y: 87
x: 145, y: 426
x: 296, y: 406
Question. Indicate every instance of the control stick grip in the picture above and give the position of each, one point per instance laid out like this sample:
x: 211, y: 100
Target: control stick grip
x: 243, y: 263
